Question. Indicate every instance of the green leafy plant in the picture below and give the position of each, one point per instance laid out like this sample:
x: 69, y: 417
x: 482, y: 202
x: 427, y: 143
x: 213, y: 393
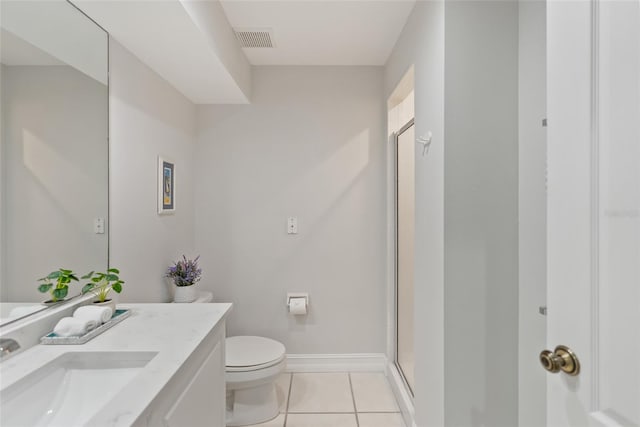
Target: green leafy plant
x: 103, y: 283
x: 57, y: 283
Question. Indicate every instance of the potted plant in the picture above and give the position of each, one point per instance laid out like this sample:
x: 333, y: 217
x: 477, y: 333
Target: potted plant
x: 101, y: 284
x: 57, y: 283
x: 185, y: 274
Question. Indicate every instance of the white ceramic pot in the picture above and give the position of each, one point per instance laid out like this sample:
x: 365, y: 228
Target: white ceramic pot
x: 107, y: 303
x: 184, y: 293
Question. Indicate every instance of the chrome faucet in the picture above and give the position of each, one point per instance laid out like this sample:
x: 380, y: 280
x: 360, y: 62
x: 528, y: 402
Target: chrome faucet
x: 8, y: 346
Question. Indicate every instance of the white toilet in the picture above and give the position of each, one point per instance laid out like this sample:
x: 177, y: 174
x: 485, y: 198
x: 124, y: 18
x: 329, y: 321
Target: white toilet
x: 252, y: 366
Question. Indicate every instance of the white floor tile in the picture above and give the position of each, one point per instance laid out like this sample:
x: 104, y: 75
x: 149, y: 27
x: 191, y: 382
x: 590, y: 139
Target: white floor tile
x: 282, y: 390
x: 276, y: 422
x: 321, y: 420
x: 380, y: 420
x: 326, y: 392
x: 372, y: 392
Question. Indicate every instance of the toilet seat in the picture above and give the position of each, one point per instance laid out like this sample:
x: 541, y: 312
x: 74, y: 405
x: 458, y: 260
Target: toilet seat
x: 251, y: 353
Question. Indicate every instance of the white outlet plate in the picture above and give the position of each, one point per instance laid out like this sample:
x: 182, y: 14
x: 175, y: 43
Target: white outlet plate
x: 292, y: 225
x: 98, y: 225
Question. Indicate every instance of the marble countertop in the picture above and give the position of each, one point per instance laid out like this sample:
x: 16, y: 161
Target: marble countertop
x: 174, y: 331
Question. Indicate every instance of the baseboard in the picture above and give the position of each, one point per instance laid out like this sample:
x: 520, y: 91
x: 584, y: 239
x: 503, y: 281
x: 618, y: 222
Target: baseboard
x: 358, y: 362
x: 404, y: 399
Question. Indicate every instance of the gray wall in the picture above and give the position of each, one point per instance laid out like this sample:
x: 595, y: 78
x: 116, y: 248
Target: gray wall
x: 310, y: 145
x: 54, y: 175
x: 3, y: 291
x: 533, y: 211
x: 481, y: 213
x: 467, y: 209
x: 148, y: 118
x: 422, y: 43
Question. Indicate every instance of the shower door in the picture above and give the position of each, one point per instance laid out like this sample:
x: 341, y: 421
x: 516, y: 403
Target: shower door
x: 405, y: 226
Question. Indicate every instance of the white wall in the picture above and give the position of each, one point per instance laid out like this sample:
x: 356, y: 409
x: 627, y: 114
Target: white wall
x: 422, y: 43
x: 465, y: 56
x: 532, y: 211
x: 148, y: 117
x: 54, y: 175
x: 481, y: 213
x: 310, y: 145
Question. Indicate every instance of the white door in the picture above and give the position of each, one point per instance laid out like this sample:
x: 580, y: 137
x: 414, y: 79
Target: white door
x: 594, y: 210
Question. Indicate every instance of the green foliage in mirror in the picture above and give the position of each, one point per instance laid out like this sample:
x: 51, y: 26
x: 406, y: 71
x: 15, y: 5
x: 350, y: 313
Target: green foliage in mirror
x: 57, y: 283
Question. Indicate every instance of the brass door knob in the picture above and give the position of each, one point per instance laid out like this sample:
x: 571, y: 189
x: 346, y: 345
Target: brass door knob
x: 561, y: 359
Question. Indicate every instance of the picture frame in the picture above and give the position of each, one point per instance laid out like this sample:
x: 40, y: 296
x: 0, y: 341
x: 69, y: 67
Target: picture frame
x: 166, y: 186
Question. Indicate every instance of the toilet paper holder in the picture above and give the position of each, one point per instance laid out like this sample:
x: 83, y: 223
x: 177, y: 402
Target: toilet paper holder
x: 291, y: 295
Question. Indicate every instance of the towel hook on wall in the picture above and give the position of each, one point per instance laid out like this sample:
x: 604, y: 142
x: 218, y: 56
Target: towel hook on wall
x: 425, y: 141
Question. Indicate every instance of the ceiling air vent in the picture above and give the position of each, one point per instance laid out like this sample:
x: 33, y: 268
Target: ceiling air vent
x: 254, y: 37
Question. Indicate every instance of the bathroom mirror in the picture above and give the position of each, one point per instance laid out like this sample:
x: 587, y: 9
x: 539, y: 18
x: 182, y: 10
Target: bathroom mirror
x: 53, y: 151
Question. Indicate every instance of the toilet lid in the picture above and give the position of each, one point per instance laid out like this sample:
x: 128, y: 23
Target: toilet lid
x: 247, y: 351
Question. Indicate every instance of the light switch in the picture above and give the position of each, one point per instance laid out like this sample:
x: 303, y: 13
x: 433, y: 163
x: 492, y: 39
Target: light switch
x: 292, y: 225
x: 98, y: 225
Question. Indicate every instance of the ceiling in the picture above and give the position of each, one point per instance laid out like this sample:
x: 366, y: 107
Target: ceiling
x: 31, y: 28
x: 312, y: 32
x: 163, y: 35
x: 192, y: 43
x: 16, y: 51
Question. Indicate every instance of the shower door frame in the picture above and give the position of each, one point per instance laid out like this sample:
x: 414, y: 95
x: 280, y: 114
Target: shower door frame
x: 396, y: 362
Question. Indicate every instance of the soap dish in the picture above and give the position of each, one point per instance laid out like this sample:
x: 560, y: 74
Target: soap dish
x: 54, y: 339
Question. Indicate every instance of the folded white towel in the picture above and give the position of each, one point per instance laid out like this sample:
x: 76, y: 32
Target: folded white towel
x: 72, y: 327
x: 99, y: 315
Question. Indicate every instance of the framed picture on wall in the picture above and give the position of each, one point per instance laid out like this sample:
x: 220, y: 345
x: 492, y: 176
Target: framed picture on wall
x: 166, y: 186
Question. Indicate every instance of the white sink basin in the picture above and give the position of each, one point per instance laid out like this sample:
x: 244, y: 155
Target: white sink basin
x: 70, y: 389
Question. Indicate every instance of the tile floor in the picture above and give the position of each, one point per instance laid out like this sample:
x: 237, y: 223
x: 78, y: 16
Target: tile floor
x: 356, y: 399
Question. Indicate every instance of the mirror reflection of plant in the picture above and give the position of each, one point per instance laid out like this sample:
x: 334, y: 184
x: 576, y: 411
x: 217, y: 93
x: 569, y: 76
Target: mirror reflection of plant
x: 57, y: 283
x: 102, y: 283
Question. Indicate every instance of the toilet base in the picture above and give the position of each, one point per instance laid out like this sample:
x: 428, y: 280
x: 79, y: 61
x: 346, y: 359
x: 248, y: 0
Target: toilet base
x: 251, y: 405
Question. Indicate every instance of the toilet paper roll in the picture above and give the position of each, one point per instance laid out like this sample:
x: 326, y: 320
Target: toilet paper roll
x: 298, y: 306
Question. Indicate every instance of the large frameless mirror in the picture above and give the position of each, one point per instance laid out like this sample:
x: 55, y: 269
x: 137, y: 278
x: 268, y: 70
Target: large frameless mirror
x: 54, y: 150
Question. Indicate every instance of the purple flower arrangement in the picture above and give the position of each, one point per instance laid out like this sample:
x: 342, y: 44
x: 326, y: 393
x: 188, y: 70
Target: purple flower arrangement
x: 185, y: 272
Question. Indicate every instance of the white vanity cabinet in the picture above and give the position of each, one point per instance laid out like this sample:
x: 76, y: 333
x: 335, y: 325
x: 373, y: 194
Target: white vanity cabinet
x: 195, y: 395
x: 180, y: 384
